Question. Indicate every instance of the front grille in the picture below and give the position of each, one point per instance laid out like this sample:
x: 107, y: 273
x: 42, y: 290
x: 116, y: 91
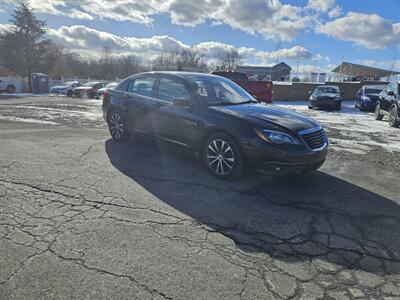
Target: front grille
x: 325, y: 99
x: 314, y: 140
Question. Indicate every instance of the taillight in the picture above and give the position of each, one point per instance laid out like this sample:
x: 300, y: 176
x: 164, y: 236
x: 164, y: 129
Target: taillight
x: 106, y: 93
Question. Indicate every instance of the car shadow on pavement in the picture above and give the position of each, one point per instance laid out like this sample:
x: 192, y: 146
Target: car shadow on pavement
x: 311, y: 218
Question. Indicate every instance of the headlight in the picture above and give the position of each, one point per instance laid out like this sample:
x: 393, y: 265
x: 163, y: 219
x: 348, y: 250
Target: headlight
x: 276, y: 137
x: 337, y: 97
x: 366, y: 98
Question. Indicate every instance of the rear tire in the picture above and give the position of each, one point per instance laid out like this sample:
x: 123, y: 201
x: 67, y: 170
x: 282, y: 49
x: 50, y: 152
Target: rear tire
x: 10, y: 89
x: 378, y: 115
x: 310, y: 107
x: 69, y: 94
x: 118, y: 126
x: 222, y: 156
x: 394, y: 120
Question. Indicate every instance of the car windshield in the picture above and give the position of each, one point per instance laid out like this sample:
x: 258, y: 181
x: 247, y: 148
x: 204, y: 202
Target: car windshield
x: 327, y: 90
x: 89, y: 84
x: 220, y: 91
x: 373, y: 90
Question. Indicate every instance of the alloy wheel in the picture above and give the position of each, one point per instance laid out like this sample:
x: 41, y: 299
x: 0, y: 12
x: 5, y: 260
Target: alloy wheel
x: 393, y: 119
x: 116, y: 126
x: 220, y: 157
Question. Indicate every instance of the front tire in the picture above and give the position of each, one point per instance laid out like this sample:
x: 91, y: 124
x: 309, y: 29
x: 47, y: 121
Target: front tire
x: 394, y: 120
x: 118, y: 126
x: 378, y: 115
x: 222, y: 156
x: 10, y: 89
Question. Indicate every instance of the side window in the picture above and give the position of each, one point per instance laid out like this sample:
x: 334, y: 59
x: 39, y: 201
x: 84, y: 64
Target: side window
x: 169, y: 89
x: 142, y: 86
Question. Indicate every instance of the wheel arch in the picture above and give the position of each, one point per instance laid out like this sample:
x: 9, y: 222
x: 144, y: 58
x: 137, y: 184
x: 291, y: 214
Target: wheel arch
x: 215, y: 130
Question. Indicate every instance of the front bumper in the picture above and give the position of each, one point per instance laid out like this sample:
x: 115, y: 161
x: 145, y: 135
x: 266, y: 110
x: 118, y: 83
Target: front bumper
x: 368, y: 105
x: 286, y: 159
x: 58, y: 92
x: 325, y: 103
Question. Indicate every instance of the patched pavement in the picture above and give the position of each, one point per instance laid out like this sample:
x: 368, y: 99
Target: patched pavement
x: 84, y: 217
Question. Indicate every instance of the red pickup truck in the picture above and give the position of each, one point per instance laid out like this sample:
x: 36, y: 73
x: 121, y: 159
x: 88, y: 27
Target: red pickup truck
x: 261, y: 90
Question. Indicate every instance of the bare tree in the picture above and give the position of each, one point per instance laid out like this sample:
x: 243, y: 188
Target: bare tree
x: 106, y: 62
x: 232, y: 59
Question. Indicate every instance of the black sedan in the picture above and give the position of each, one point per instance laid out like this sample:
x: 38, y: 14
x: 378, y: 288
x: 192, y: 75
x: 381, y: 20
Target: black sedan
x: 326, y: 96
x: 217, y: 121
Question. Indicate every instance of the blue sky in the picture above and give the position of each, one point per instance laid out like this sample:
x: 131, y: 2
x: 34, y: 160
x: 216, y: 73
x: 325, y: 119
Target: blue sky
x: 316, y: 34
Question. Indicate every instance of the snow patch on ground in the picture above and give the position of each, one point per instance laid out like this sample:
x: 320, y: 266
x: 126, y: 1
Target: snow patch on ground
x: 26, y: 120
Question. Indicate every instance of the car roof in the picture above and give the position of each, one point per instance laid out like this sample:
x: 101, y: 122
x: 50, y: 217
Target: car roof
x: 184, y: 75
x: 331, y: 86
x: 374, y: 86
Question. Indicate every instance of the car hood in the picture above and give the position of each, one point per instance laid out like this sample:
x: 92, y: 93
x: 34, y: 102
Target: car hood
x: 60, y: 87
x: 264, y: 115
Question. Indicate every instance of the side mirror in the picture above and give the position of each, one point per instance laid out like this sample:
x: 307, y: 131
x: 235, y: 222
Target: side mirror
x: 390, y: 93
x: 181, y: 102
x: 342, y: 93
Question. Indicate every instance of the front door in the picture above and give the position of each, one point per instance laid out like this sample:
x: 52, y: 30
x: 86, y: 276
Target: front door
x: 172, y: 119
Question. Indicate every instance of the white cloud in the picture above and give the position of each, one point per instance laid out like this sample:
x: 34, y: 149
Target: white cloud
x: 78, y: 14
x: 320, y: 5
x: 335, y: 12
x: 86, y: 39
x: 371, y: 31
x: 5, y: 27
x: 269, y: 18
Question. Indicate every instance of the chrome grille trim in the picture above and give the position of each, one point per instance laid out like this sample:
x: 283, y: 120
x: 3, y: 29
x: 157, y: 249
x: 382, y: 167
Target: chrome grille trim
x: 314, y: 138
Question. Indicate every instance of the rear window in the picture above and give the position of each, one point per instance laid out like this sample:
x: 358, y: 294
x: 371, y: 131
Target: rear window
x: 142, y: 86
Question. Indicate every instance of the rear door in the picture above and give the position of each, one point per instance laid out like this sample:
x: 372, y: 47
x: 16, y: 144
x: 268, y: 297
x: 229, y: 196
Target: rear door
x: 140, y: 103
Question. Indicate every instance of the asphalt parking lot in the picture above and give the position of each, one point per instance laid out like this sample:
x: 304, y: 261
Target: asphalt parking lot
x: 84, y: 217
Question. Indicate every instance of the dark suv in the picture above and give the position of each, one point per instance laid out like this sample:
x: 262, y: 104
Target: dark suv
x: 215, y: 119
x: 388, y: 105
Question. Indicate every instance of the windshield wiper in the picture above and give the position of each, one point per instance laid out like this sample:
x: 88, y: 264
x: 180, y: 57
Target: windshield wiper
x: 219, y: 103
x: 231, y: 103
x: 247, y: 102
